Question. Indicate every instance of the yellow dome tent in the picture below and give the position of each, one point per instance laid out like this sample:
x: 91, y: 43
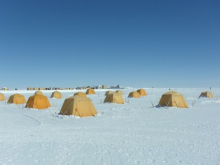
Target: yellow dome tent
x: 108, y: 92
x: 134, y: 95
x: 79, y: 94
x: 90, y: 92
x: 119, y: 91
x: 16, y: 99
x: 38, y: 101
x: 2, y: 97
x: 207, y: 94
x: 173, y: 99
x: 114, y: 98
x: 57, y: 95
x: 78, y: 106
x: 142, y: 92
x: 39, y: 92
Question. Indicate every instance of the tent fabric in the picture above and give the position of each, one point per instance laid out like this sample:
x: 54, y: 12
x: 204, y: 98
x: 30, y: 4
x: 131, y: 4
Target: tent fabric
x: 109, y: 92
x: 114, y: 98
x: 173, y: 99
x: 57, y: 95
x: 16, y: 99
x: 78, y: 106
x: 142, y: 92
x: 39, y: 92
x: 38, y: 101
x: 79, y: 94
x: 207, y: 94
x: 119, y: 91
x: 134, y: 95
x: 2, y: 97
x: 90, y: 92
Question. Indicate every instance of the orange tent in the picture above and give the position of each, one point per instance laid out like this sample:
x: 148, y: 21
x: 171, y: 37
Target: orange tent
x: 114, y: 98
x: 90, y: 92
x: 134, y: 95
x: 38, y: 101
x: 16, y: 99
x: 78, y: 106
x: 142, y: 92
x: 173, y: 99
x: 57, y: 95
x: 207, y: 94
x: 2, y: 97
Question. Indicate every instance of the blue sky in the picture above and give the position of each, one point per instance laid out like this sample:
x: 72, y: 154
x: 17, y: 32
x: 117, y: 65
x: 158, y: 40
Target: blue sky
x: 133, y: 43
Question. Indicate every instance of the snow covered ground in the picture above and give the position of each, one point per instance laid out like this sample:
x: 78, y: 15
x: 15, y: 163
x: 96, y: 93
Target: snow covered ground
x: 131, y: 134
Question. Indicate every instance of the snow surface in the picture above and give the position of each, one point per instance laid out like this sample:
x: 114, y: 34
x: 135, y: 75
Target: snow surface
x: 131, y: 134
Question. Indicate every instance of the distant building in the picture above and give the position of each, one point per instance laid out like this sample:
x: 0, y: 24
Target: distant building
x: 116, y: 87
x: 4, y: 88
x: 104, y: 87
x: 80, y: 88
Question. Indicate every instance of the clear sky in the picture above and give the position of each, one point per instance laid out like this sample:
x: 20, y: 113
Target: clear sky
x: 138, y: 43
